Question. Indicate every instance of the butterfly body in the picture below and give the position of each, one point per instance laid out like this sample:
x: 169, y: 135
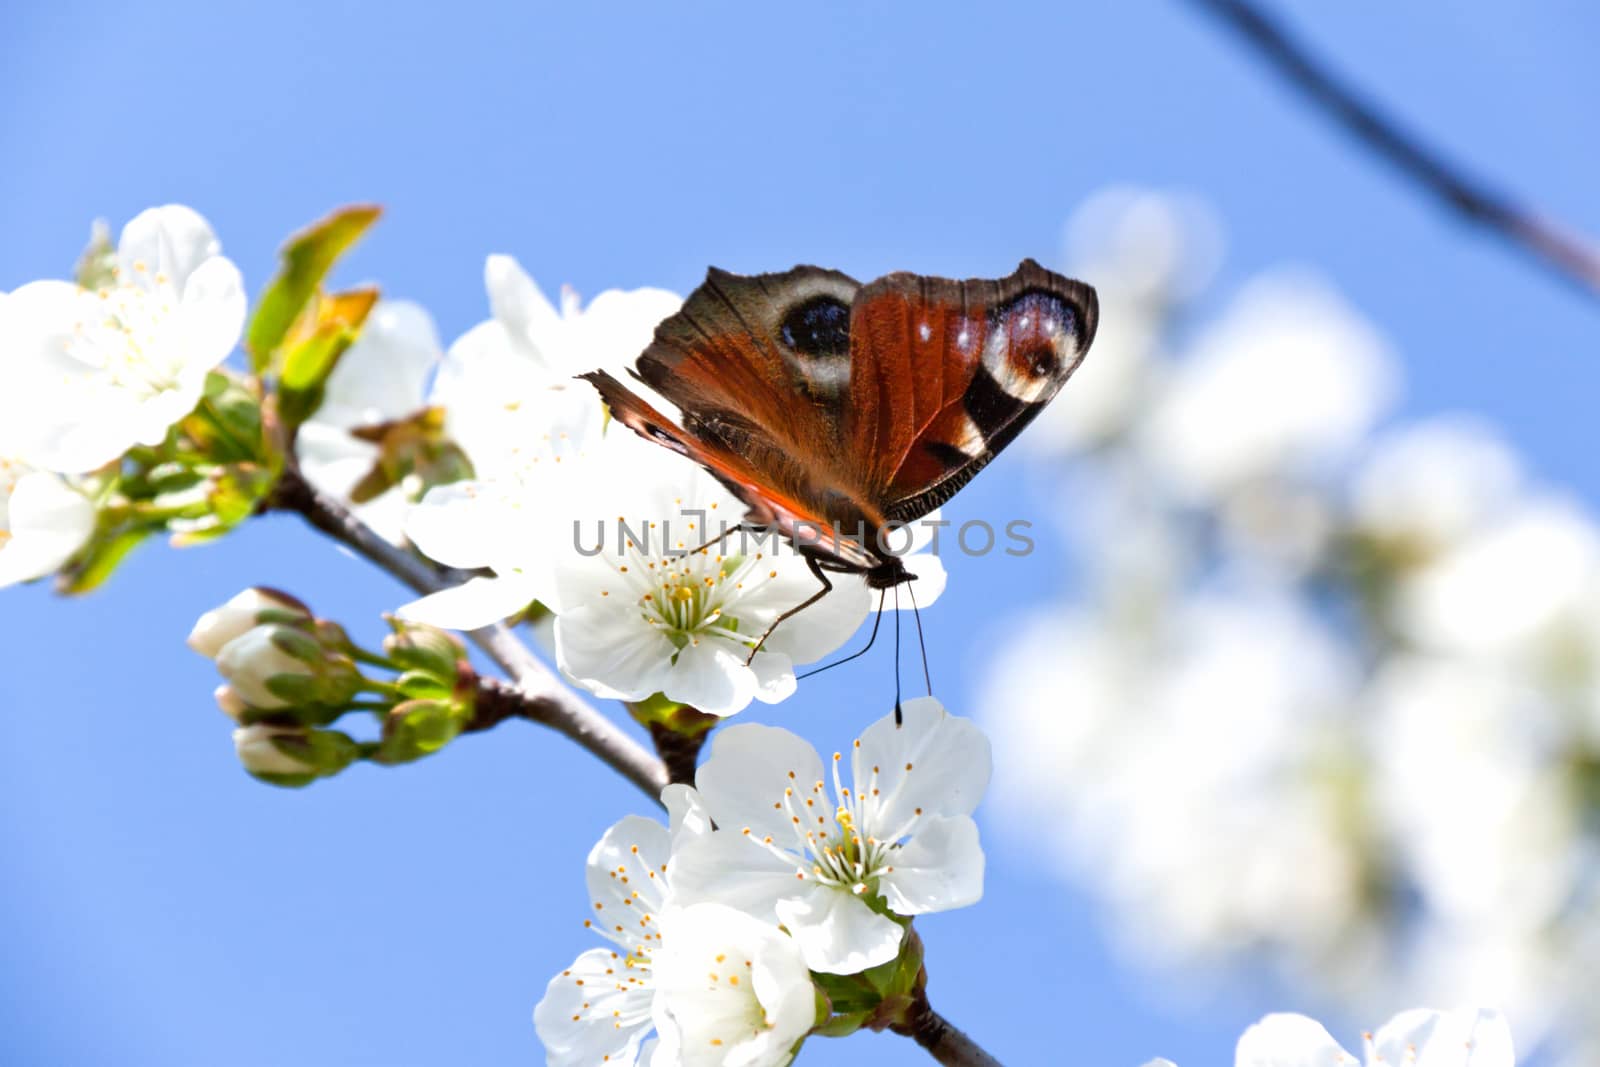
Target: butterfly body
x: 837, y: 412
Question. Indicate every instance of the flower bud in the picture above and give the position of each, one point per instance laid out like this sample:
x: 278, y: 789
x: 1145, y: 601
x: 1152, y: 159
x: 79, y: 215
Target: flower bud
x: 278, y: 666
x: 253, y: 659
x: 219, y: 626
x: 292, y: 755
x: 423, y: 648
x: 231, y: 703
x: 418, y: 728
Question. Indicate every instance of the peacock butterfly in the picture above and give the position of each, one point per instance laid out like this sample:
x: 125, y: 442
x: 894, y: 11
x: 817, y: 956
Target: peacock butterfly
x: 829, y: 406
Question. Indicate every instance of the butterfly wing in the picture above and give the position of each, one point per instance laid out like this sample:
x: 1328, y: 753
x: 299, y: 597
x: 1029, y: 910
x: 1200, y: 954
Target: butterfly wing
x: 944, y: 374
x: 823, y: 403
x: 760, y: 369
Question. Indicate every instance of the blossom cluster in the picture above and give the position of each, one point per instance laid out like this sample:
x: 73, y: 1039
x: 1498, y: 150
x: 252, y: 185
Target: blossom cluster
x: 1329, y: 691
x: 776, y: 885
x: 1379, y: 676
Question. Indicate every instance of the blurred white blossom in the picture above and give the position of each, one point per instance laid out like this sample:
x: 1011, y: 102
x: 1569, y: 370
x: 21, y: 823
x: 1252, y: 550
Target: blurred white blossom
x: 43, y: 522
x: 1324, y: 697
x: 1422, y: 1038
x: 92, y: 372
x: 1290, y: 378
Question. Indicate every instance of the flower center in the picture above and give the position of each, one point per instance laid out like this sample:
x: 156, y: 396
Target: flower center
x: 850, y: 850
x: 689, y: 596
x: 119, y: 334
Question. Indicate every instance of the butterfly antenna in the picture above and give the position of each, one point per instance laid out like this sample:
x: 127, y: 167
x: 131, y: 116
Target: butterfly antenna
x: 921, y: 644
x: 898, y: 717
x: 854, y: 655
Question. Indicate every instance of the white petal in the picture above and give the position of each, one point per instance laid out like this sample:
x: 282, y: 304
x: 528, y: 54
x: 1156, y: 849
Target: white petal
x: 516, y: 301
x: 1287, y: 1040
x: 586, y: 1019
x: 626, y: 876
x: 837, y: 932
x: 462, y: 524
x: 940, y: 868
x: 612, y: 653
x: 686, y: 812
x: 727, y: 867
x: 774, y: 675
x: 47, y: 522
x: 825, y: 625
x: 213, y: 318
x: 173, y: 240
x: 384, y: 374
x: 731, y: 991
x: 747, y: 772
x: 1467, y: 1038
x: 935, y: 762
x: 476, y: 602
x: 710, y: 674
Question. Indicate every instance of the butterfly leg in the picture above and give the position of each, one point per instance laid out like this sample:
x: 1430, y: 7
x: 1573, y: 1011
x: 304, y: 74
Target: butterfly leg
x: 871, y: 639
x: 827, y: 587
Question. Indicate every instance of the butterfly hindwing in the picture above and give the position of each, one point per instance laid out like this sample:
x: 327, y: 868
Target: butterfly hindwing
x: 944, y: 374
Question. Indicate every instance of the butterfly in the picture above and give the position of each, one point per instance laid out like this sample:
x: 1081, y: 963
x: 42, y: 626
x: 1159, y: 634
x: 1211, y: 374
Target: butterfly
x: 837, y: 412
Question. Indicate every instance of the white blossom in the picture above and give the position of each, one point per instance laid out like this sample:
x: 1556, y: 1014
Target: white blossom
x: 804, y: 849
x: 511, y: 402
x: 1425, y: 487
x: 382, y: 377
x: 731, y: 990
x: 98, y: 371
x: 241, y: 614
x: 44, y: 520
x: 721, y: 987
x: 648, y: 614
x: 1417, y: 1038
x: 1286, y: 382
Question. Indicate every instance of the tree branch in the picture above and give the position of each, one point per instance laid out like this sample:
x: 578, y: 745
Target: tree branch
x: 538, y: 695
x: 945, y: 1042
x: 1575, y: 259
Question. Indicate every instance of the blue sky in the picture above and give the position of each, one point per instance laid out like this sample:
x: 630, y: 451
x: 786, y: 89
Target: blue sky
x: 158, y: 907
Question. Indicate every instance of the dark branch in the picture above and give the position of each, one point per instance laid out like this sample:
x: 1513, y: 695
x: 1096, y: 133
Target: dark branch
x: 944, y: 1041
x: 1573, y: 258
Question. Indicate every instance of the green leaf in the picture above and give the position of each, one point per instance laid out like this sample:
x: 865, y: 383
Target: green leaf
x: 307, y: 258
x: 102, y: 555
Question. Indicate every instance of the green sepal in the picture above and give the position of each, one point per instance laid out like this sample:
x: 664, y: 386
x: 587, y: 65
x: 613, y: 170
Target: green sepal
x: 419, y: 684
x: 658, y: 710
x: 307, y: 258
x: 96, y: 268
x: 424, y: 648
x: 114, y: 537
x: 225, y: 426
x: 312, y: 351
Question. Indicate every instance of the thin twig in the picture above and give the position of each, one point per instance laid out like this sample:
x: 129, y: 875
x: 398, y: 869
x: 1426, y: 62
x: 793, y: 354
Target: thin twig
x: 945, y: 1042
x: 543, y: 697
x: 1573, y: 258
